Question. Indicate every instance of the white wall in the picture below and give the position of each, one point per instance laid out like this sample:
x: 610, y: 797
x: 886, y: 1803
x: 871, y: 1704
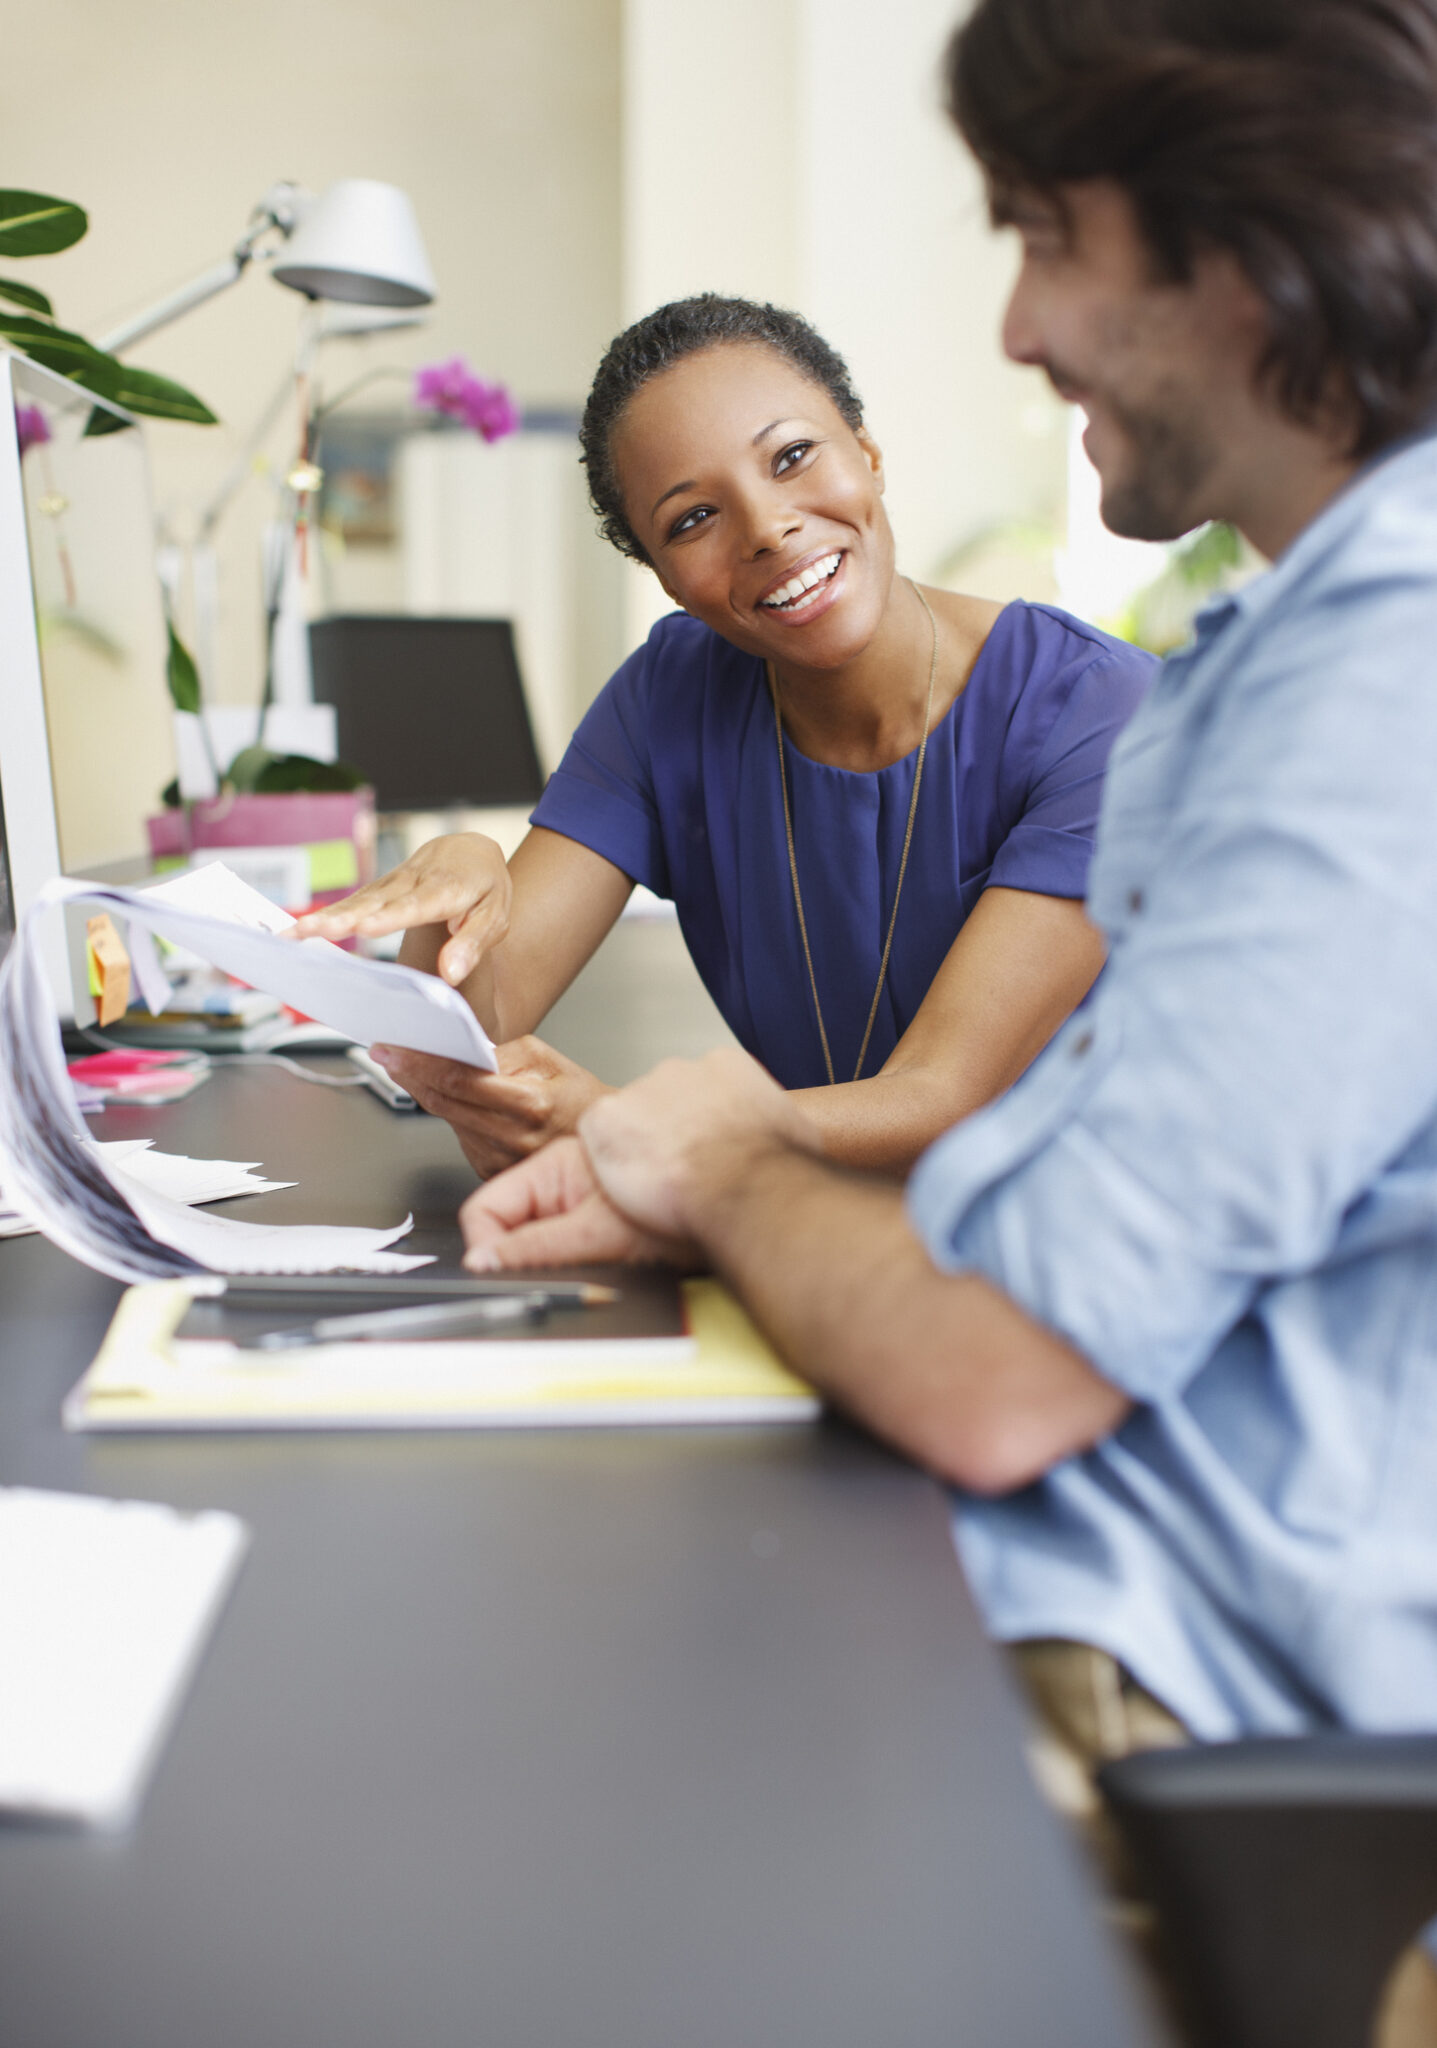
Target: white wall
x: 168, y: 121
x: 572, y: 163
x: 796, y: 150
x: 489, y: 533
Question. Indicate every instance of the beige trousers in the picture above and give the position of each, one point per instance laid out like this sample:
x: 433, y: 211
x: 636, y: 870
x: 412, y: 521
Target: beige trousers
x: 1088, y: 1709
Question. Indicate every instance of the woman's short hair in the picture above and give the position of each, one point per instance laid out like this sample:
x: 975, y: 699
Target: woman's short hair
x: 665, y: 337
x: 1300, y: 135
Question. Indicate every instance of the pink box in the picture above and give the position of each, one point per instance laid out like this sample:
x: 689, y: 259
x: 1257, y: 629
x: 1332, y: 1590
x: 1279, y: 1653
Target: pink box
x: 298, y: 818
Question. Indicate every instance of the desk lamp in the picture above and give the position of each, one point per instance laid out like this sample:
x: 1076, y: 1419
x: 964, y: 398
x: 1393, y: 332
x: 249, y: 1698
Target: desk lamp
x: 358, y: 242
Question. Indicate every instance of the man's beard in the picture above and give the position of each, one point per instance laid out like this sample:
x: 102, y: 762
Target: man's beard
x: 1168, y: 457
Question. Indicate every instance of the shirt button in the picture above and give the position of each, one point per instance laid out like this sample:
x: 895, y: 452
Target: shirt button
x: 1135, y: 901
x: 1083, y: 1043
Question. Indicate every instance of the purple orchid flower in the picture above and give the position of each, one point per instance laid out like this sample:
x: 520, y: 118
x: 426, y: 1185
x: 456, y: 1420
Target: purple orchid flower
x: 453, y: 388
x: 31, y: 427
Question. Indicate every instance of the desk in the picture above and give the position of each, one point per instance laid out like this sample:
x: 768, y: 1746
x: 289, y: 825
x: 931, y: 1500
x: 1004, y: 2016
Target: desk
x: 553, y: 1740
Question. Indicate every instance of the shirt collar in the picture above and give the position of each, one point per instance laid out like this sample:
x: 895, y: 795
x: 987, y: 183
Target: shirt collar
x: 1414, y: 455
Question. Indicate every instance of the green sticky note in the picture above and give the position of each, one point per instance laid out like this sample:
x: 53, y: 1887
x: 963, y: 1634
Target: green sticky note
x: 97, y: 982
x: 333, y: 864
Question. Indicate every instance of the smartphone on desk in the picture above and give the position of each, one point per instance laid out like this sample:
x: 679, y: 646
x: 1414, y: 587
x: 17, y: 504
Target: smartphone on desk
x: 383, y: 1085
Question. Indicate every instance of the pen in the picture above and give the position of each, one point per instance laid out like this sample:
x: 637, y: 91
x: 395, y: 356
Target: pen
x: 246, y: 1289
x: 430, y: 1320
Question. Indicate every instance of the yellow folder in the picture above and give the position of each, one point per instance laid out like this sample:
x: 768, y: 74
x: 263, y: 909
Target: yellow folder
x: 145, y: 1378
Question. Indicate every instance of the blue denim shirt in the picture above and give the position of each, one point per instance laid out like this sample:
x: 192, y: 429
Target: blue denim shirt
x: 1220, y: 1181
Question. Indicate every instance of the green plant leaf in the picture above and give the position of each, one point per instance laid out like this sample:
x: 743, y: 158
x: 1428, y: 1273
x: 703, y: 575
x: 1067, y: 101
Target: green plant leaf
x: 181, y: 674
x: 56, y: 347
x: 143, y: 391
x: 258, y: 771
x: 1202, y: 560
x: 102, y: 422
x: 286, y: 772
x: 84, y: 366
x: 246, y: 765
x: 34, y: 224
x: 24, y: 295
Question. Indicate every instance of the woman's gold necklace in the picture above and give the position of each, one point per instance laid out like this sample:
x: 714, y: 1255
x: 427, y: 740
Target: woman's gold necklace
x: 902, y: 865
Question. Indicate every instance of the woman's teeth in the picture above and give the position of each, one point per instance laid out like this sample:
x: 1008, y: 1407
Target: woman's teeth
x: 798, y: 592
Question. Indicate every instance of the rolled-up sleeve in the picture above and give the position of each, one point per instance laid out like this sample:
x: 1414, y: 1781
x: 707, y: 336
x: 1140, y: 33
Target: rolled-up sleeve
x: 602, y: 791
x: 1097, y: 689
x: 1263, y: 1042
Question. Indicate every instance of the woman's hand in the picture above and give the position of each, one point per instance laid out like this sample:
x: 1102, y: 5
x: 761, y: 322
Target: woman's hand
x: 460, y: 881
x: 536, y: 1095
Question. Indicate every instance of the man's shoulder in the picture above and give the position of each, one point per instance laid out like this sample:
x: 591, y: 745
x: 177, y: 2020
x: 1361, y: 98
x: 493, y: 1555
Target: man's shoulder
x: 1356, y: 591
x: 1380, y: 530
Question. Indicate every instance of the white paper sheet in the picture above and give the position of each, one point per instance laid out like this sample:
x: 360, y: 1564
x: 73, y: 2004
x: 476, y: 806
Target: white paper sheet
x: 213, y: 913
x: 105, y: 1609
x: 56, y: 1178
x: 166, y: 1173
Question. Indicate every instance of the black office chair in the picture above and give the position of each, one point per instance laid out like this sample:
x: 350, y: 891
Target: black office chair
x: 1288, y: 1876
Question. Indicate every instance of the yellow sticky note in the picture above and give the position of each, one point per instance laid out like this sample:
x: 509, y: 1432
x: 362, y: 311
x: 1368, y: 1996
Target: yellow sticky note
x: 333, y: 864
x: 109, y: 966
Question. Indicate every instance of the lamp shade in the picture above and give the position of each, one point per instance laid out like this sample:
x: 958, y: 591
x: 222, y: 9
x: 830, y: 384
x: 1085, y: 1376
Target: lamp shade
x: 360, y: 242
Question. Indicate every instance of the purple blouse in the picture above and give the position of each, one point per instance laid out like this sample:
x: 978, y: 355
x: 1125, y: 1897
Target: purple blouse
x: 673, y: 776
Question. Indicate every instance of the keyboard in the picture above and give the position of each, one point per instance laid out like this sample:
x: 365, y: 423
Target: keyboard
x: 105, y: 1610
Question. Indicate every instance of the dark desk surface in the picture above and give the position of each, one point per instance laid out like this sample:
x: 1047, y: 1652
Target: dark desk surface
x: 546, y: 1740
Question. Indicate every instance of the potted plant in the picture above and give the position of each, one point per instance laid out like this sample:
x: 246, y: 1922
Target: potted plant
x: 263, y: 798
x: 40, y: 224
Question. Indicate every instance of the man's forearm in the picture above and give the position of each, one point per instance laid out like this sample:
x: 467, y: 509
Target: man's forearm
x: 944, y: 1366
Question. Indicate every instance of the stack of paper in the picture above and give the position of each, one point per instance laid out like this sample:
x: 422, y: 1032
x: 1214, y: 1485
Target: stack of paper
x: 189, y: 1181
x: 58, y: 1181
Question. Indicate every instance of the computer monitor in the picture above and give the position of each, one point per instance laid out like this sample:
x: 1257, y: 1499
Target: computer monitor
x: 432, y: 710
x: 7, y: 905
x: 86, y: 736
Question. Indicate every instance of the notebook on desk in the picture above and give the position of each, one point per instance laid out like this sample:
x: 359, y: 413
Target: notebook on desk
x: 167, y: 1363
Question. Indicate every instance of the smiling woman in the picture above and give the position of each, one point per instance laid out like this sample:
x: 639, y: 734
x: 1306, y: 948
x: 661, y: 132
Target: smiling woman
x: 872, y: 804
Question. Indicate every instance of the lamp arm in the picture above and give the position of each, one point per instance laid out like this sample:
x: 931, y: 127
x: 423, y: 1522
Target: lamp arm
x: 280, y: 210
x: 206, y: 286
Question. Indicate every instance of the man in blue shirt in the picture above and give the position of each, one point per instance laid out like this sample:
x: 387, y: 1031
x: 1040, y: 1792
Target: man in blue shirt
x: 1166, y: 1314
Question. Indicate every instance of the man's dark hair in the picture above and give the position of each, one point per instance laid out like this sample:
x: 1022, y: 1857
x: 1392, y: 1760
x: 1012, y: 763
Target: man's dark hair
x: 665, y: 337
x: 1300, y: 135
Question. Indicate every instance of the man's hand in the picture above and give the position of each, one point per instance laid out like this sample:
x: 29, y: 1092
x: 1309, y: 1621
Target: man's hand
x: 652, y: 1145
x: 622, y: 1193
x: 941, y: 1364
x: 550, y: 1212
x: 537, y: 1095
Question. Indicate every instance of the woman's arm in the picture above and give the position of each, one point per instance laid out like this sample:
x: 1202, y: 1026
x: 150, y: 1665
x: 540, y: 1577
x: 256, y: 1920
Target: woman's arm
x: 1021, y: 964
x: 510, y: 937
x: 533, y: 925
x: 565, y: 901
